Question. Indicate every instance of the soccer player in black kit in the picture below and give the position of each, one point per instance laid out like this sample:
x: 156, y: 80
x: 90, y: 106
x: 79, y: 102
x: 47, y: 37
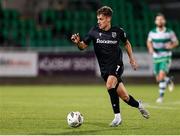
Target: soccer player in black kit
x: 106, y: 39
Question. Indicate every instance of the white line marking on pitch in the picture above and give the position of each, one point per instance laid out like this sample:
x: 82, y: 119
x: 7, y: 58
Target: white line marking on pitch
x: 159, y: 107
x: 172, y: 103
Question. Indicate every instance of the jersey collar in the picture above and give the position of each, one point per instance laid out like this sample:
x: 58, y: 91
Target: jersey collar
x: 101, y: 30
x: 164, y: 29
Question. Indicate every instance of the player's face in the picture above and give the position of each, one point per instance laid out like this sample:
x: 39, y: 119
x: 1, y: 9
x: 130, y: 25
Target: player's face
x: 103, y: 21
x: 160, y: 21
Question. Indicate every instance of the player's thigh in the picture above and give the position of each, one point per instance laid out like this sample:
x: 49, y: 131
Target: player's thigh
x: 111, y: 82
x: 164, y: 69
x: 122, y: 92
x: 165, y: 66
x: 159, y: 71
x: 156, y: 69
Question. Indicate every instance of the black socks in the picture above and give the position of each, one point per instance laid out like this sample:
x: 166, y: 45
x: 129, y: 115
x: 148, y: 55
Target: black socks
x: 132, y: 102
x: 114, y: 100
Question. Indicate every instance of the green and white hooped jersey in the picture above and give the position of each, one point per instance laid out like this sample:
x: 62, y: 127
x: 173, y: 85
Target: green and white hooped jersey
x: 159, y: 40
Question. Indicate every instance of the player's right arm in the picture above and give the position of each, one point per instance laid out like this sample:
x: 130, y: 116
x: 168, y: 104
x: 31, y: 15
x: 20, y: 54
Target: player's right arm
x: 82, y: 44
x: 76, y: 40
x: 150, y: 47
x: 149, y: 44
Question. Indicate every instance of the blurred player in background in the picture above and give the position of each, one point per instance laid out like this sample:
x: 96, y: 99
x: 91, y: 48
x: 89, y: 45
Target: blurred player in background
x: 161, y: 40
x: 106, y: 39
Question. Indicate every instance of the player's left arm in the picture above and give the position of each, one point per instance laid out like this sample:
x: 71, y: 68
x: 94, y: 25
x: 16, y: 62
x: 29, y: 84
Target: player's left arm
x: 128, y: 48
x: 129, y: 51
x: 174, y: 42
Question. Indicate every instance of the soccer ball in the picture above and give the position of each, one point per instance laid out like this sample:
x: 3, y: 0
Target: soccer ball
x: 75, y: 119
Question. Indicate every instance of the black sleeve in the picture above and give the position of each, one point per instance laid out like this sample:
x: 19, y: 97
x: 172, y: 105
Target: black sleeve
x: 123, y: 35
x: 88, y: 37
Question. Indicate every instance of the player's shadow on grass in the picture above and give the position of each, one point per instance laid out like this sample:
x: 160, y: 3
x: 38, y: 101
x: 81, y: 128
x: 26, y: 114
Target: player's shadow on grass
x: 102, y: 128
x: 84, y: 132
x: 98, y: 124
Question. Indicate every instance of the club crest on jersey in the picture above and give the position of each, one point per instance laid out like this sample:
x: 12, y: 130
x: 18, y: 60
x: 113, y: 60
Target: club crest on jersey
x: 114, y: 34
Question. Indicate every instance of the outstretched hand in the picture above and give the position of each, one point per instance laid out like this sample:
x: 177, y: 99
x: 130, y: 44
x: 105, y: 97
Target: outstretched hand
x: 75, y: 38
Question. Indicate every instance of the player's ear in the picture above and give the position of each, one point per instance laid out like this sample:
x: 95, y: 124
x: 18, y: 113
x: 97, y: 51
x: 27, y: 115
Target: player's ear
x: 108, y: 18
x: 155, y: 22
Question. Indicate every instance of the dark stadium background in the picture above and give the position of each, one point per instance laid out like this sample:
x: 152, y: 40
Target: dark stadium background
x: 39, y: 31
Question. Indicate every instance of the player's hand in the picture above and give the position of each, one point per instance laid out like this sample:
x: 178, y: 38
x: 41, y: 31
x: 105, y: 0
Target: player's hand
x: 151, y: 51
x: 75, y: 38
x: 168, y: 46
x: 133, y: 63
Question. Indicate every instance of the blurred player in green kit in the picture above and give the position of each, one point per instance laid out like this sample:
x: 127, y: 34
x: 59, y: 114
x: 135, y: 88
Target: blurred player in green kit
x: 161, y: 40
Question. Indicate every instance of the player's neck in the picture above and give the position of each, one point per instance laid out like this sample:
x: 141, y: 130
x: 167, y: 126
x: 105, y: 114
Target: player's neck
x: 108, y: 27
x: 161, y: 28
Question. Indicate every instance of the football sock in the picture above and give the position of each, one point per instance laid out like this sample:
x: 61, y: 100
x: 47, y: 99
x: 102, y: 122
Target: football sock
x: 162, y: 87
x: 114, y: 100
x: 132, y: 102
x: 117, y: 116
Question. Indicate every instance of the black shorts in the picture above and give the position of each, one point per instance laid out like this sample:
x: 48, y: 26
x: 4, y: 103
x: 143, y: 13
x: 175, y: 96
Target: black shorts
x: 117, y: 73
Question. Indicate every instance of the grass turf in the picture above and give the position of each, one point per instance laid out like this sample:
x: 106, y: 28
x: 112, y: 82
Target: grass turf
x: 43, y: 110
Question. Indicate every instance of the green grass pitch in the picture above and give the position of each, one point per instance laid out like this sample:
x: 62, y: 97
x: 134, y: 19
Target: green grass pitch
x: 43, y: 110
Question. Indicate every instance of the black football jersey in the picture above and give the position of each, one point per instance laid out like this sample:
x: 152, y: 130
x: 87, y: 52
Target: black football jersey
x: 107, y: 46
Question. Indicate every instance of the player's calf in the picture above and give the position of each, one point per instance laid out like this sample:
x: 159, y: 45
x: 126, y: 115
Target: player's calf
x: 131, y: 101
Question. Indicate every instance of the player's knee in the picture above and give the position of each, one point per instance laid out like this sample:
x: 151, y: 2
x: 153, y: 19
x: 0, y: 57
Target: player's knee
x: 162, y: 75
x: 109, y: 86
x: 159, y: 78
